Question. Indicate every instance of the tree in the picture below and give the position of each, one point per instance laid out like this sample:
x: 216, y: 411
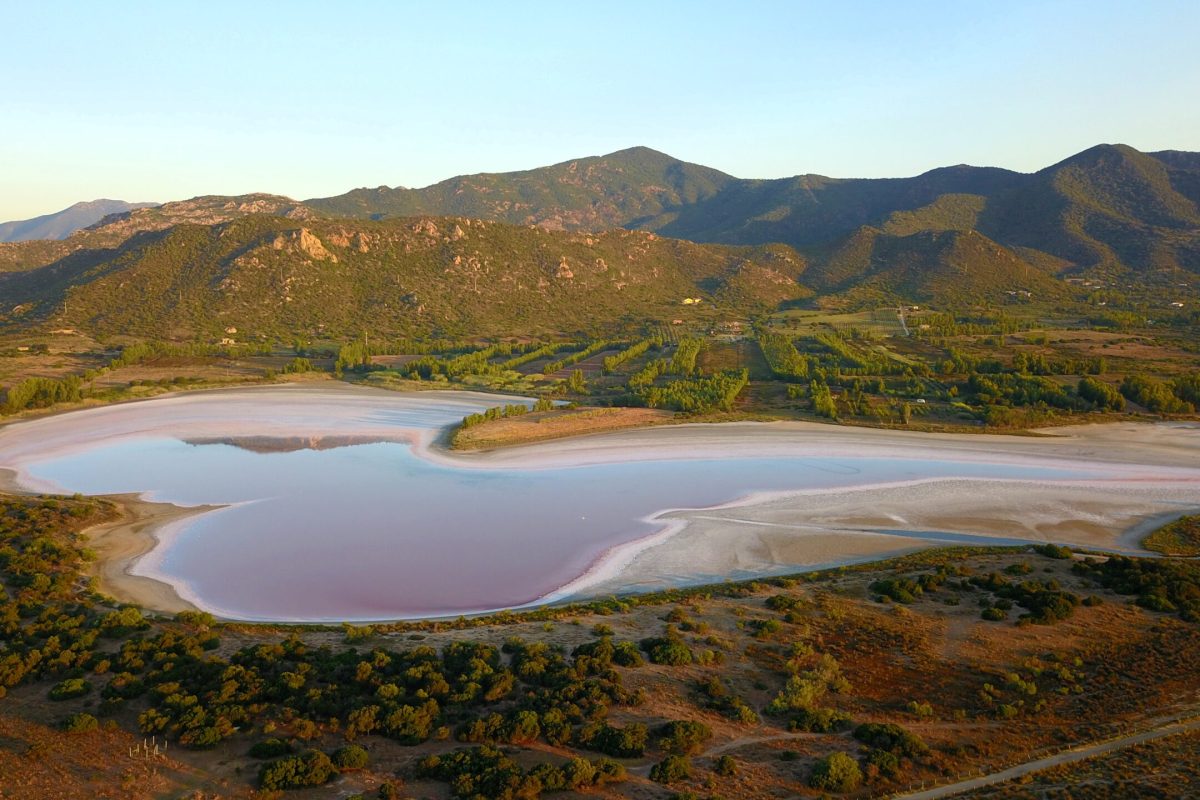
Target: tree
x: 295, y: 772
x: 822, y: 400
x: 350, y: 757
x: 671, y: 769
x: 576, y: 383
x: 684, y: 737
x: 837, y: 772
x: 1100, y: 394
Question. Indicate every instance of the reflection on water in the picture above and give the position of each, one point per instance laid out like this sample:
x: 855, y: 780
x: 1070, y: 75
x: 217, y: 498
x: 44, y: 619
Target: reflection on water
x: 371, y: 531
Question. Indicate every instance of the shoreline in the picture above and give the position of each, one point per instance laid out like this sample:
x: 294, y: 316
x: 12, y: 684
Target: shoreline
x: 120, y: 546
x: 121, y: 543
x: 701, y: 545
x: 612, y: 566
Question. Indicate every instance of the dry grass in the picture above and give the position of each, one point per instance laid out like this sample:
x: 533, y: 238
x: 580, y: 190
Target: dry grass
x: 1163, y: 768
x: 545, y: 425
x: 38, y: 762
x: 1178, y: 538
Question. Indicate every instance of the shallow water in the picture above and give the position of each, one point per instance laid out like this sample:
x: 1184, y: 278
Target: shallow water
x: 375, y: 531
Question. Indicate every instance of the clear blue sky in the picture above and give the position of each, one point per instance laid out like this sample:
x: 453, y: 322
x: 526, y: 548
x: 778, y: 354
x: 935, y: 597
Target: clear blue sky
x: 167, y: 100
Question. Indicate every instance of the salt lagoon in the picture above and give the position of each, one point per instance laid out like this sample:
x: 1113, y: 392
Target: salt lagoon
x: 330, y: 503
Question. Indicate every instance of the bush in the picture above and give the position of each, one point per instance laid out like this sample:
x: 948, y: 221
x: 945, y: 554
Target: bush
x: 627, y: 742
x: 888, y: 764
x: 71, y: 687
x: 671, y: 769
x: 725, y: 766
x: 1100, y: 394
x: 270, y: 748
x: 819, y: 720
x: 298, y: 365
x: 625, y: 654
x: 312, y: 768
x: 837, y: 772
x: 608, y: 771
x: 670, y: 649
x: 578, y: 773
x: 923, y: 710
x: 350, y: 757
x: 890, y: 737
x: 80, y: 723
x: 1053, y: 551
x: 684, y: 737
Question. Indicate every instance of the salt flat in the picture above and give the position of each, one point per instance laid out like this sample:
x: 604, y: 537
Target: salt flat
x: 383, y: 523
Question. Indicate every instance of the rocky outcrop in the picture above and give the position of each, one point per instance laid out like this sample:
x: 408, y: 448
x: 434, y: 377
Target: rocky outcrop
x: 303, y: 241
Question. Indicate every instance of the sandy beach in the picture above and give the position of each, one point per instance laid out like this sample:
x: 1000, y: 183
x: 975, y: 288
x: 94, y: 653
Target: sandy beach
x: 1144, y: 475
x: 121, y: 542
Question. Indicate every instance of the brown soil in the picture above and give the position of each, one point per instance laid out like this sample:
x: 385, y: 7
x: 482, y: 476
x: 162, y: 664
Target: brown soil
x: 556, y: 425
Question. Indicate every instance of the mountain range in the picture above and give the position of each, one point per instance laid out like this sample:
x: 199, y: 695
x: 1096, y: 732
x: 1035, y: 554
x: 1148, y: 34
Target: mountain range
x: 1109, y: 206
x: 956, y: 235
x: 62, y: 224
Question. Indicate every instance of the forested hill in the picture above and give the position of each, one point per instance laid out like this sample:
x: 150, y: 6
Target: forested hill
x: 632, y: 188
x: 1110, y: 206
x: 273, y: 276
x: 953, y: 236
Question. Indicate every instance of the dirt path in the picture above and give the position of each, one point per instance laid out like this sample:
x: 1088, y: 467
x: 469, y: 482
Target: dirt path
x: 747, y: 741
x: 1065, y: 757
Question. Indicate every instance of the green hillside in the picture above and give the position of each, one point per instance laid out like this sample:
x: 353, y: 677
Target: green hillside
x: 114, y: 229
x: 573, y: 247
x: 453, y: 276
x: 950, y: 267
x: 1109, y: 206
x: 617, y: 190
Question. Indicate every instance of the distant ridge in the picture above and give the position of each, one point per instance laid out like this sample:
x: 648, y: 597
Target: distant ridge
x: 1109, y: 206
x: 63, y: 223
x: 593, y: 193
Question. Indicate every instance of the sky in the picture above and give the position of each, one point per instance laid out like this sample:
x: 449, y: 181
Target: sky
x: 157, y: 101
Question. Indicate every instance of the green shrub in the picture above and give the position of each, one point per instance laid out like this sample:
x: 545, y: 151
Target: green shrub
x: 837, y: 772
x: 671, y: 769
x: 888, y: 764
x: 684, y: 737
x: 819, y: 720
x: 80, y: 723
x: 578, y: 773
x: 627, y: 742
x: 1053, y: 551
x: 890, y: 737
x: 669, y: 649
x: 270, y: 748
x: 71, y: 687
x: 350, y: 757
x: 312, y: 768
